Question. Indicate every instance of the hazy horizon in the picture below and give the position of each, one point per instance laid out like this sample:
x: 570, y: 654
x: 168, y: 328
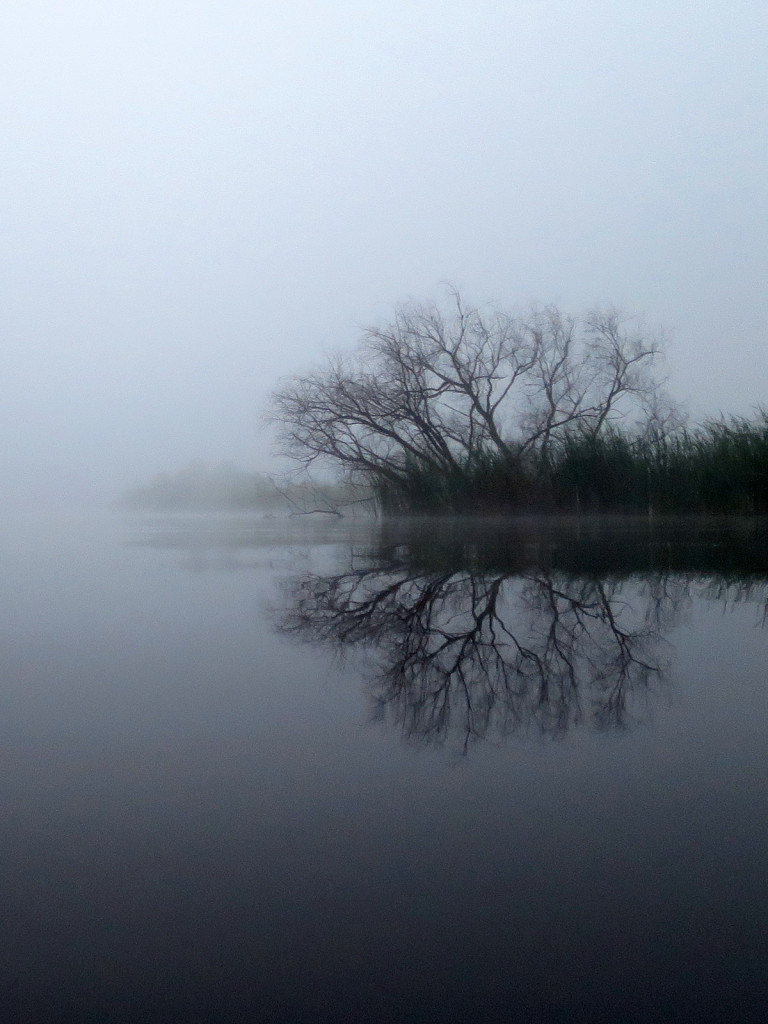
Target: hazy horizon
x: 200, y: 199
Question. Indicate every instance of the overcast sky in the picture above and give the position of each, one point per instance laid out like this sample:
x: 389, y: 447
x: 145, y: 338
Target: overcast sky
x: 200, y: 197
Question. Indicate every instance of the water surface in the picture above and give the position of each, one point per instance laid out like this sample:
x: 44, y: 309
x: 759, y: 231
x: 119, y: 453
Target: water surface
x: 309, y: 771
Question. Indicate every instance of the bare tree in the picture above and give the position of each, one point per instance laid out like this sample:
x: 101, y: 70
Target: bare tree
x: 436, y: 390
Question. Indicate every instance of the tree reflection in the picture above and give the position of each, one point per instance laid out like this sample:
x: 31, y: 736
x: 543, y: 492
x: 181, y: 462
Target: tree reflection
x: 480, y: 628
x: 482, y: 654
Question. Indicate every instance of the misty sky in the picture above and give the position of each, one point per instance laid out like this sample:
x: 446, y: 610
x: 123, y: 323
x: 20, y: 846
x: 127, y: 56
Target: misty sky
x: 199, y: 197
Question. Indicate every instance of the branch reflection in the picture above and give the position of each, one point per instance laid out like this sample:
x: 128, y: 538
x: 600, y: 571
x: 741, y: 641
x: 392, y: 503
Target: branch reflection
x: 478, y: 629
x: 483, y: 655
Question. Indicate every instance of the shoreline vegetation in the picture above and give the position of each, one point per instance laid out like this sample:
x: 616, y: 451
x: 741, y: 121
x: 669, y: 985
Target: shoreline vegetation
x: 228, y: 488
x: 464, y: 410
x: 719, y: 468
x: 456, y: 410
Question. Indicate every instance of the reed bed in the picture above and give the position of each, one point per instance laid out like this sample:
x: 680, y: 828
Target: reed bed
x: 719, y: 467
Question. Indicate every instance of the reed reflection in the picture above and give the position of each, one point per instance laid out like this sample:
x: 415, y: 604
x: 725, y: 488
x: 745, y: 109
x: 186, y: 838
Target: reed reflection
x: 477, y: 637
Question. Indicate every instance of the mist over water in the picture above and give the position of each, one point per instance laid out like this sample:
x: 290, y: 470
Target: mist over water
x: 306, y: 770
x: 313, y: 769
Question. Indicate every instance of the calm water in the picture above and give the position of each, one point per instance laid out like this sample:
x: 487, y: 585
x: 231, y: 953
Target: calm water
x: 311, y: 772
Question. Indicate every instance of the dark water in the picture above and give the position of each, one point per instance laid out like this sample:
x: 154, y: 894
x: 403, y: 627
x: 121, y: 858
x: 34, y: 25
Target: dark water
x: 316, y: 772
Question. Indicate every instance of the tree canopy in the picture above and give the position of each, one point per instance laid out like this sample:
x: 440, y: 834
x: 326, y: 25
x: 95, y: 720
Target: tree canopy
x: 441, y: 390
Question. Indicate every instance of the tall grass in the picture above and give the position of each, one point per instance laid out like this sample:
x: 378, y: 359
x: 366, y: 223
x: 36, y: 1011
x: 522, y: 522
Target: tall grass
x: 720, y: 467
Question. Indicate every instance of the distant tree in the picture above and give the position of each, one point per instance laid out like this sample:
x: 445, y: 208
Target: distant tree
x: 441, y: 391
